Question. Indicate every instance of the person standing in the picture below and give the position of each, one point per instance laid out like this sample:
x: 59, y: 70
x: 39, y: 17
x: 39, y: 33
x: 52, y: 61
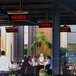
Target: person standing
x: 5, y: 62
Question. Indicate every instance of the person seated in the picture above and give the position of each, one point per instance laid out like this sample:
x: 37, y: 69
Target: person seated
x: 41, y: 58
x: 5, y: 62
x: 24, y: 65
x: 48, y: 61
x: 30, y: 61
x: 34, y: 60
x: 22, y: 61
x: 65, y: 69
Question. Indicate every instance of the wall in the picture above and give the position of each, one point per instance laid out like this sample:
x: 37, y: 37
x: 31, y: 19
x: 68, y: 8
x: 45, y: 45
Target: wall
x: 48, y: 33
x: 3, y: 36
x: 0, y: 41
x: 63, y: 39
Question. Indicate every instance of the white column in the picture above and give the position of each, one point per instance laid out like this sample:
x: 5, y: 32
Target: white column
x: 2, y: 38
x: 63, y: 39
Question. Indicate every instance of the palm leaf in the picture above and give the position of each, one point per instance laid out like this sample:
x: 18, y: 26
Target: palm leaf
x: 48, y: 43
x: 39, y: 44
x: 40, y: 36
x: 33, y: 45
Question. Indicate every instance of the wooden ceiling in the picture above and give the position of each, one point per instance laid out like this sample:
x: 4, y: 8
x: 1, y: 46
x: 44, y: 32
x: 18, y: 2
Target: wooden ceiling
x: 38, y: 9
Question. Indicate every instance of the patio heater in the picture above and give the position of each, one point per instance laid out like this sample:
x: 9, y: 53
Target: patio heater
x: 45, y: 23
x: 65, y: 28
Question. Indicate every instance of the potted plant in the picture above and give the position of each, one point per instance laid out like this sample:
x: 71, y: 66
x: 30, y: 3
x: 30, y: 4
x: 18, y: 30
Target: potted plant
x: 43, y: 72
x: 41, y: 38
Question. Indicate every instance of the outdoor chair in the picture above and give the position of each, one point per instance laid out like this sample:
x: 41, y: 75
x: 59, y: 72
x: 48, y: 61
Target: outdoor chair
x: 26, y: 69
x: 48, y: 68
x: 38, y: 68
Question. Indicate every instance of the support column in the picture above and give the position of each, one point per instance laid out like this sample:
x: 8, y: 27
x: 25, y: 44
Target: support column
x: 21, y: 41
x: 31, y: 33
x: 15, y: 58
x: 56, y: 38
x: 19, y: 44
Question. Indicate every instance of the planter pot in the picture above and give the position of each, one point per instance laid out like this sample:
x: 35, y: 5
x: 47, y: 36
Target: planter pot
x: 43, y: 74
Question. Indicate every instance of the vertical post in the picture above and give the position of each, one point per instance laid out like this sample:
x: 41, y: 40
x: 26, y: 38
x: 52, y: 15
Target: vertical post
x: 56, y: 38
x: 19, y: 44
x: 15, y: 47
x: 21, y: 41
x: 31, y: 38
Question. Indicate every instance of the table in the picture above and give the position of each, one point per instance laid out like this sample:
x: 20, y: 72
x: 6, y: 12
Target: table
x: 15, y: 69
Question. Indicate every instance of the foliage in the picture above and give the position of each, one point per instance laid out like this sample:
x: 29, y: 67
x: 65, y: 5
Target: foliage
x: 43, y: 70
x: 48, y: 43
x: 63, y: 51
x: 40, y: 37
x: 25, y: 50
x: 44, y: 54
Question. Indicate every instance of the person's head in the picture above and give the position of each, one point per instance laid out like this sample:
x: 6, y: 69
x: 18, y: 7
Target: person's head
x: 29, y: 58
x: 2, y: 52
x: 22, y: 60
x: 41, y: 55
x: 48, y: 57
x: 35, y: 57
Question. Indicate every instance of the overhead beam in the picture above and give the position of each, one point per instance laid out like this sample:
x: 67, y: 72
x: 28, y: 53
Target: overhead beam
x: 66, y: 7
x: 25, y: 4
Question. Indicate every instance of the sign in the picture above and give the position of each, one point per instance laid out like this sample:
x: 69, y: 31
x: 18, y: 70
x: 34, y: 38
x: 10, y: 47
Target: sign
x: 11, y: 30
x: 45, y: 25
x: 65, y: 29
x: 18, y: 15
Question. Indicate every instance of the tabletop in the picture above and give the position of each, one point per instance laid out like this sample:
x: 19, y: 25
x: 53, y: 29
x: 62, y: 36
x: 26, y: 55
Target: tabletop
x: 15, y: 69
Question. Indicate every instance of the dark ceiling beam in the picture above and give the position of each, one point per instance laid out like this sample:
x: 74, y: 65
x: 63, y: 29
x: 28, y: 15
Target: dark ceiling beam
x: 66, y: 7
x: 25, y: 4
x: 70, y: 15
x: 68, y: 22
x: 49, y: 13
x: 29, y: 9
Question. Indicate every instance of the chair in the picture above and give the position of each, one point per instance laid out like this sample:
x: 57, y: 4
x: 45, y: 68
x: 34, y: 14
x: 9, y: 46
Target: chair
x: 26, y: 69
x: 38, y: 68
x: 48, y: 68
x: 29, y: 71
x: 66, y: 71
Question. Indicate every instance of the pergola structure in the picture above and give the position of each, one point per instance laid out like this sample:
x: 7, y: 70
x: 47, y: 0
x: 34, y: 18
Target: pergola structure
x: 38, y: 9
x: 60, y: 11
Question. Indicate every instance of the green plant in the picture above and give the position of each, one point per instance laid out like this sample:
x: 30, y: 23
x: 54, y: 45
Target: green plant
x: 63, y: 51
x: 43, y: 70
x: 25, y: 50
x: 41, y: 38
